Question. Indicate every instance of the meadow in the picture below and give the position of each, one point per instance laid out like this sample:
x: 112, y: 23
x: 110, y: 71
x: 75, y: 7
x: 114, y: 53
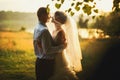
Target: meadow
x: 16, y: 56
x: 17, y: 59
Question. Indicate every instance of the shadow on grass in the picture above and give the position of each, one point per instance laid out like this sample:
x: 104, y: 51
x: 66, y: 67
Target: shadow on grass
x: 17, y: 76
x: 101, y: 60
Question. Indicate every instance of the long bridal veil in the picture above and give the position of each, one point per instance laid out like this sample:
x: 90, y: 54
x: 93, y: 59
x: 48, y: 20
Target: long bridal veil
x: 73, y: 50
x: 73, y: 53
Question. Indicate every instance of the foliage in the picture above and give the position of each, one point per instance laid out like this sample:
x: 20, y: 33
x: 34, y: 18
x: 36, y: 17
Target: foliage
x: 77, y: 6
x: 109, y: 24
x: 116, y: 5
x: 22, y: 28
x: 87, y: 9
x: 57, y: 5
x: 14, y: 20
x: 114, y: 26
x: 8, y: 15
x: 83, y: 23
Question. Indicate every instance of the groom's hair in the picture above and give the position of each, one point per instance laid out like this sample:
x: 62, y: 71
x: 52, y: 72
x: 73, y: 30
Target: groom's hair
x: 60, y: 17
x: 42, y: 13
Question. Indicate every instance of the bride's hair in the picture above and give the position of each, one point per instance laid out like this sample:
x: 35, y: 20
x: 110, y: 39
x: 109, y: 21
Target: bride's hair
x: 60, y: 17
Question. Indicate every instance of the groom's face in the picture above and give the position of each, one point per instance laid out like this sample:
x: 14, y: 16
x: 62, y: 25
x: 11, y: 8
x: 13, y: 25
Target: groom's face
x: 48, y: 18
x: 45, y: 18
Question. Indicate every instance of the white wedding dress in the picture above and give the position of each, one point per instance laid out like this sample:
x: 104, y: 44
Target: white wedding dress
x: 68, y: 62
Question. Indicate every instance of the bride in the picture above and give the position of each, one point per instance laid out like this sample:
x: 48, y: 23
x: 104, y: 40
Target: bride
x: 68, y: 62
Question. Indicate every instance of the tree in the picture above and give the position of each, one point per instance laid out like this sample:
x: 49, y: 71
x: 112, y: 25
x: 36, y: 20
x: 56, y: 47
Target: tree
x: 109, y: 24
x: 22, y: 28
x: 114, y: 26
x: 83, y: 23
x: 116, y: 4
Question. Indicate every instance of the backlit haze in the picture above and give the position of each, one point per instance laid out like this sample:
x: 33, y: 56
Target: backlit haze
x: 33, y: 5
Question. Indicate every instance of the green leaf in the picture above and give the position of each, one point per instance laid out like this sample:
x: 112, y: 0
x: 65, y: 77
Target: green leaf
x: 91, y: 0
x: 88, y: 0
x: 66, y: 10
x: 93, y: 17
x: 94, y: 3
x: 72, y: 4
x: 72, y: 13
x: 78, y: 3
x: 57, y: 5
x: 96, y: 10
x: 77, y: 8
x: 69, y: 10
x: 93, y: 6
x: 62, y: 1
x: 48, y: 9
x: 87, y: 9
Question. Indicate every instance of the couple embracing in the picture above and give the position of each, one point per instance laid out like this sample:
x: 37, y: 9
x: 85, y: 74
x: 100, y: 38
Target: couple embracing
x: 58, y: 55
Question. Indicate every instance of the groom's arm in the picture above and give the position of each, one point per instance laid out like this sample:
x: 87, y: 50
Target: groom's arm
x: 48, y: 46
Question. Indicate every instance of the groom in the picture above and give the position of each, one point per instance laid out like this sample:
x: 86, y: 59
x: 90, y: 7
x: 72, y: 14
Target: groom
x: 44, y: 47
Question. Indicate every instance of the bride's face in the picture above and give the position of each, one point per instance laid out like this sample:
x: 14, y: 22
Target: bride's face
x: 56, y: 22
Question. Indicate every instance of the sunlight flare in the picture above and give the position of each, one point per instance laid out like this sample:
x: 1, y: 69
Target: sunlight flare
x: 104, y: 5
x: 32, y: 5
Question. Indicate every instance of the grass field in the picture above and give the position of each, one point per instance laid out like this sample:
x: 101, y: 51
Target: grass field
x: 17, y: 58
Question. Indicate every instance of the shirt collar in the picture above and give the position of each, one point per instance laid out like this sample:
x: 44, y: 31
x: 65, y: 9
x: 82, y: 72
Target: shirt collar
x: 42, y: 24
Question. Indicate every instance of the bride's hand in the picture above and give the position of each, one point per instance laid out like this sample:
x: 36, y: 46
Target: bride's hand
x: 65, y: 45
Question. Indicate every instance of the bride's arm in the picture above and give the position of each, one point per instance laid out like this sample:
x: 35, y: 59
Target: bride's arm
x: 47, y: 44
x: 60, y: 38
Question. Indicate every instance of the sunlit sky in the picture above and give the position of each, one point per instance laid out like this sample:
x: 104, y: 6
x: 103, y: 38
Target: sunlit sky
x: 33, y: 5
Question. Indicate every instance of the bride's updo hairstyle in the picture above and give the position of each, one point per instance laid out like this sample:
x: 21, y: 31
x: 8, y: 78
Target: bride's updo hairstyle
x: 60, y: 17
